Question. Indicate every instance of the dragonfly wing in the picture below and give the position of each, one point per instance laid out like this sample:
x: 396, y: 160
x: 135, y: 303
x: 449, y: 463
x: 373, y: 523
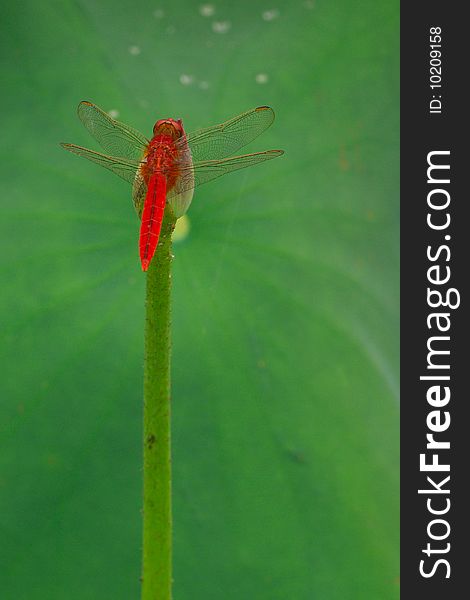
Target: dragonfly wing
x: 201, y: 172
x: 114, y: 137
x: 223, y: 140
x: 123, y: 167
x: 139, y: 192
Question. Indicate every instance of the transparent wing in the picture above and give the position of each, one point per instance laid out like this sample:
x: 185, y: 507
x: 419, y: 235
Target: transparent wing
x: 191, y: 176
x: 123, y: 167
x: 221, y: 141
x: 114, y: 137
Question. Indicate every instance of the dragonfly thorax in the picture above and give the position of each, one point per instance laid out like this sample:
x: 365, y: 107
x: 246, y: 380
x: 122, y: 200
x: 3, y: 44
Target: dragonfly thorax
x: 162, y: 156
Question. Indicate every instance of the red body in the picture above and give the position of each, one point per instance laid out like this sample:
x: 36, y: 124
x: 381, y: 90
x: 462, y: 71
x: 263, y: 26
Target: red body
x: 165, y: 170
x: 160, y: 173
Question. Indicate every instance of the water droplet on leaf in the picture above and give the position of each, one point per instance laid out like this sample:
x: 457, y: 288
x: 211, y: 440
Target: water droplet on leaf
x: 221, y: 26
x: 207, y: 10
x: 186, y: 79
x: 270, y: 15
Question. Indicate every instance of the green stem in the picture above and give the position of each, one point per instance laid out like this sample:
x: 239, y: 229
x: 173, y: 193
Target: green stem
x: 157, y: 521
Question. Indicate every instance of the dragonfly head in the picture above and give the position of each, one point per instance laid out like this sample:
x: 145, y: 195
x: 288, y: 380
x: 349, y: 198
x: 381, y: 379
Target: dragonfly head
x: 169, y: 127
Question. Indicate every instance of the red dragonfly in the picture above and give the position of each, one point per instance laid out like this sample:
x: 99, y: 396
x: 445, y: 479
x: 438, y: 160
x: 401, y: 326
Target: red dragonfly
x: 166, y: 169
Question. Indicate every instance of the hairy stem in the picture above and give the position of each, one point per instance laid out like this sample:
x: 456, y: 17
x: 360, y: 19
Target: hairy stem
x: 157, y: 521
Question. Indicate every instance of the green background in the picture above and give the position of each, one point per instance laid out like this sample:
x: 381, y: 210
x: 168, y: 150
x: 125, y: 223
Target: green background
x: 285, y: 320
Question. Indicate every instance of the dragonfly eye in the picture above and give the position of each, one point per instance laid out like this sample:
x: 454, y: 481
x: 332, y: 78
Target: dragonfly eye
x: 168, y: 127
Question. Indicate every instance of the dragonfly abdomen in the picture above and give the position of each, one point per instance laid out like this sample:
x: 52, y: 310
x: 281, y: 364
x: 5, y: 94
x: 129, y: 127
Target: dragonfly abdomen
x: 152, y: 218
